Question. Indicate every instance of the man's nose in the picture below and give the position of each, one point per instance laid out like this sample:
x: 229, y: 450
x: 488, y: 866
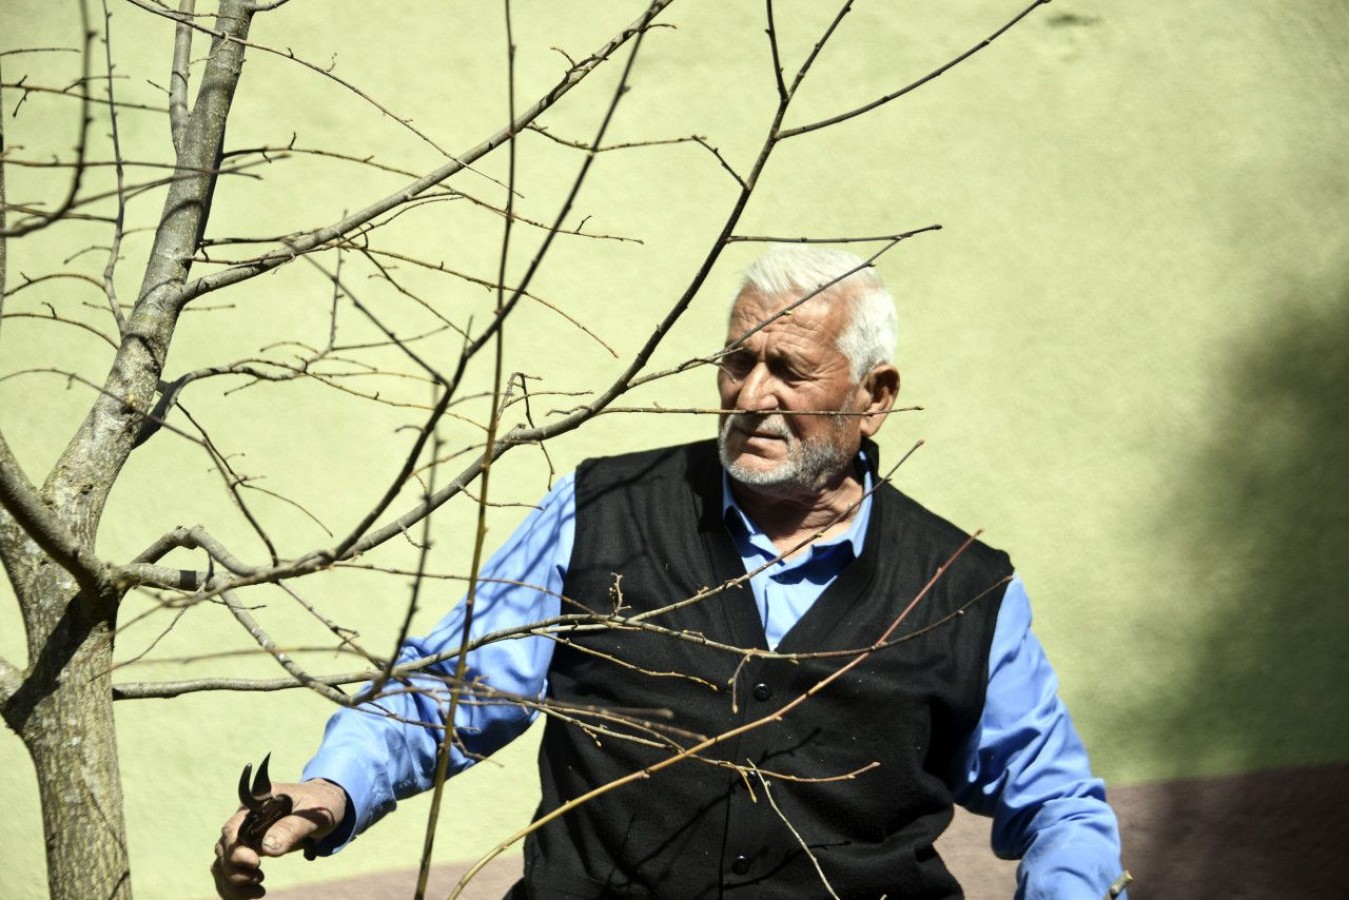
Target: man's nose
x: 757, y: 391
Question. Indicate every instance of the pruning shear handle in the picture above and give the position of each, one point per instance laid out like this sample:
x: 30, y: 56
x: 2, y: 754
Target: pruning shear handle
x: 265, y: 809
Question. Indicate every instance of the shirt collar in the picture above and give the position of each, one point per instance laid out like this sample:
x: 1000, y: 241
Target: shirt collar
x: 740, y: 522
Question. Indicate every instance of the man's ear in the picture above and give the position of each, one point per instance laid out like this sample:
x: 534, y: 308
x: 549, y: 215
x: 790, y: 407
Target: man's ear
x: 879, y: 389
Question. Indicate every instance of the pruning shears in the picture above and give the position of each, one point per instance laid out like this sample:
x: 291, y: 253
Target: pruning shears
x: 265, y: 809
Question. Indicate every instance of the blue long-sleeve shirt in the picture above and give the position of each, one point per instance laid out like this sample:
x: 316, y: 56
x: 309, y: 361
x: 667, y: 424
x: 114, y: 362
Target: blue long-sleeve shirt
x: 1024, y: 765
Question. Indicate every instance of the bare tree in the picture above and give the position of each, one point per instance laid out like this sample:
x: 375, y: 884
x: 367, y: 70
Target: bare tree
x: 409, y: 340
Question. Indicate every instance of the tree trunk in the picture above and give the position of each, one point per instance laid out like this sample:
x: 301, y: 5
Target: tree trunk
x: 62, y: 710
x: 64, y: 716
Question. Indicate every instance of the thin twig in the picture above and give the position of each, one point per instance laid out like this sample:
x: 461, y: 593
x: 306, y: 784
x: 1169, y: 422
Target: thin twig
x: 768, y: 795
x: 232, y: 483
x: 119, y: 218
x: 772, y: 33
x: 265, y: 641
x: 843, y: 117
x: 480, y: 534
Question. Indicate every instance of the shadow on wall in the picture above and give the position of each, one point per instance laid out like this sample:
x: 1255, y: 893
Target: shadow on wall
x: 1261, y: 515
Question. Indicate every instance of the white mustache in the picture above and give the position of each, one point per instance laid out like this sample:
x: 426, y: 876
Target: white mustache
x: 773, y: 424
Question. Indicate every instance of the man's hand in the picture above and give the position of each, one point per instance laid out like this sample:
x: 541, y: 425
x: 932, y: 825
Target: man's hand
x: 319, y: 807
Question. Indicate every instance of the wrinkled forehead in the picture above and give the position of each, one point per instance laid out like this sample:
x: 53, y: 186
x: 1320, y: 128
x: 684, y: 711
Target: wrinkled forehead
x: 755, y: 312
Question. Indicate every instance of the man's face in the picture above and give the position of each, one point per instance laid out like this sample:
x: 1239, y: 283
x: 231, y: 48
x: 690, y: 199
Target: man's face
x: 792, y: 365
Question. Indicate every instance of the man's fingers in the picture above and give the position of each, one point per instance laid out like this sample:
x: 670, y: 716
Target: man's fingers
x: 236, y: 878
x: 235, y: 869
x: 287, y: 834
x: 233, y: 889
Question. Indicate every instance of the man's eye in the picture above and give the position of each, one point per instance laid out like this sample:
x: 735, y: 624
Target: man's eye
x: 737, y: 364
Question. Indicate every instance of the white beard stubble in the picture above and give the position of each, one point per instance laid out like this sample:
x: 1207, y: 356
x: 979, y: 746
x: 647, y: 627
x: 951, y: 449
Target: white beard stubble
x: 809, y: 464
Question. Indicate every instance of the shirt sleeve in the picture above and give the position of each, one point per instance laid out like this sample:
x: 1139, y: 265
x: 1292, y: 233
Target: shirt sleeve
x: 379, y: 754
x: 1026, y: 767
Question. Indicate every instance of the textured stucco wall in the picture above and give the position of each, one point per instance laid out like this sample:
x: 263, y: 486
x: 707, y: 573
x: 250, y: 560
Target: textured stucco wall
x: 1128, y: 340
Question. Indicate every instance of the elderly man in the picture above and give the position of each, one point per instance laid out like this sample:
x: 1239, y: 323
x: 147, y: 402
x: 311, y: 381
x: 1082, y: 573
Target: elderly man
x: 846, y: 664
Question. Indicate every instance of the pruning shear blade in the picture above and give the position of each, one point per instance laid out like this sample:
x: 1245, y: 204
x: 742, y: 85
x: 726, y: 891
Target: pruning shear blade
x: 254, y: 797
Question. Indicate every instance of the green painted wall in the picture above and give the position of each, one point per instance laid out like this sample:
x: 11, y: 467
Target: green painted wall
x: 1128, y: 341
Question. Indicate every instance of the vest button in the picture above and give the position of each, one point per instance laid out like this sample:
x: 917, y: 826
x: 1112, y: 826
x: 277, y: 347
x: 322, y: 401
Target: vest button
x: 763, y: 691
x: 741, y: 865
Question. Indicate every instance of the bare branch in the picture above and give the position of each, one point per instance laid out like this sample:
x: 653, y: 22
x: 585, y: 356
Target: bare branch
x: 346, y: 636
x: 20, y: 51
x: 191, y: 539
x: 146, y: 575
x: 272, y: 154
x: 164, y: 690
x: 178, y: 77
x: 21, y: 500
x: 657, y: 409
x: 554, y: 629
x: 843, y: 117
x: 187, y: 21
x: 304, y: 369
x: 768, y: 795
x: 265, y: 641
x: 233, y: 481
x: 63, y: 321
x: 801, y: 239
x: 83, y: 95
x: 419, y: 578
x: 819, y: 46
x: 175, y: 618
x: 721, y: 160
x: 664, y: 142
x: 119, y: 220
x: 153, y: 420
x: 531, y: 435
x: 181, y: 172
x: 772, y: 33
x: 480, y: 535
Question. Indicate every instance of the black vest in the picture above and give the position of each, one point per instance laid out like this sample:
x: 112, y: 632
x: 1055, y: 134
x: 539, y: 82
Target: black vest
x: 858, y: 770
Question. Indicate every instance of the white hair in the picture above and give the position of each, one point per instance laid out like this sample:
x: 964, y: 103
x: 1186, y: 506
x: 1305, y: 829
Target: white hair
x: 868, y: 338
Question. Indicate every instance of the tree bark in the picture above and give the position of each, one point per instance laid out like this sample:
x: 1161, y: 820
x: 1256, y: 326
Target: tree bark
x: 63, y: 714
x: 62, y: 710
